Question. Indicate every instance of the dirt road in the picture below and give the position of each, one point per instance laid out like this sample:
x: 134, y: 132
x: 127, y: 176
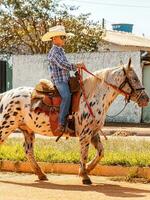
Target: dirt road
x: 68, y: 187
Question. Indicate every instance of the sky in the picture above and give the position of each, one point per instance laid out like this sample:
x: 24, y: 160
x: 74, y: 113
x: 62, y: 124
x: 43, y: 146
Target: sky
x: 135, y: 12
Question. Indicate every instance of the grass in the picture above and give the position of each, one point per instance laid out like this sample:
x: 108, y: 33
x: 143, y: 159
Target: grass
x: 118, y: 151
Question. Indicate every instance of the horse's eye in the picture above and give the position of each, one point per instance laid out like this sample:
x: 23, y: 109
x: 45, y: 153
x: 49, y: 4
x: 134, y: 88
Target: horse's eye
x: 135, y: 79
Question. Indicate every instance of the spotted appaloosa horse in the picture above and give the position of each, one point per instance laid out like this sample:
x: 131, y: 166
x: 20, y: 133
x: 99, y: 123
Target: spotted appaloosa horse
x: 101, y: 92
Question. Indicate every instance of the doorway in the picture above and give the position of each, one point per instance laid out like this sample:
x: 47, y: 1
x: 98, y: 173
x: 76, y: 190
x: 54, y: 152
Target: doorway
x: 2, y: 76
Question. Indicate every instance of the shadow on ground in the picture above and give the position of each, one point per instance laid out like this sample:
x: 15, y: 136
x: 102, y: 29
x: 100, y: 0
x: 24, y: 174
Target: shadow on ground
x: 111, y: 190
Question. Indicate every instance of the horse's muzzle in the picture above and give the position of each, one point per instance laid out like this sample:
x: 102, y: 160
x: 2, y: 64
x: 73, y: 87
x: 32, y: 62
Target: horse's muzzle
x: 143, y: 100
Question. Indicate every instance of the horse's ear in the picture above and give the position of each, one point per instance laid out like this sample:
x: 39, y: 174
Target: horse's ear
x: 129, y: 63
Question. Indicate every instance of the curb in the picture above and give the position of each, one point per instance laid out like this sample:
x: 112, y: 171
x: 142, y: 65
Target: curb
x: 126, y: 131
x: 70, y: 168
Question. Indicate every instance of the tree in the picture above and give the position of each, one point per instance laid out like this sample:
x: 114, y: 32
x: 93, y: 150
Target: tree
x: 23, y: 22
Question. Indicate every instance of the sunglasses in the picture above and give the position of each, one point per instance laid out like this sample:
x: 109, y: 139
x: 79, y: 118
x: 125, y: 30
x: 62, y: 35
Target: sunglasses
x: 62, y: 37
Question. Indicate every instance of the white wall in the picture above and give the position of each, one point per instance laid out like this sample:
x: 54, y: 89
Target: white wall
x: 95, y: 61
x: 28, y: 69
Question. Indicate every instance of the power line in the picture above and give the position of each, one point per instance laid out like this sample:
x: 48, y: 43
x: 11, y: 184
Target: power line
x: 112, y: 4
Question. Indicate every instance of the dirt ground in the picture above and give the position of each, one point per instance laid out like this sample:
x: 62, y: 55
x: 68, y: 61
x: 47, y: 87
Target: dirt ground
x: 15, y: 186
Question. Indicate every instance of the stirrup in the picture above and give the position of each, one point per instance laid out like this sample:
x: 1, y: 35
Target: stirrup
x: 67, y: 130
x: 60, y: 129
x: 59, y: 137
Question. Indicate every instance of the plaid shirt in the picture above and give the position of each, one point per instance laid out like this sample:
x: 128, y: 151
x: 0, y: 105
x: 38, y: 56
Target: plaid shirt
x: 59, y: 65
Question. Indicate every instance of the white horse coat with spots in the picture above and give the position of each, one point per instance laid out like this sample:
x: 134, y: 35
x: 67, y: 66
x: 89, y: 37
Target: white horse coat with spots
x: 15, y: 113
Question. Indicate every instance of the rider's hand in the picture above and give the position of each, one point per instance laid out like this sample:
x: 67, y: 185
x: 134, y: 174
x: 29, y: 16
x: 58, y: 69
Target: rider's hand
x: 80, y: 65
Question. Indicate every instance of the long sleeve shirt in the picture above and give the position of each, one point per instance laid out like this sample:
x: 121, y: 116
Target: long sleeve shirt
x: 59, y: 66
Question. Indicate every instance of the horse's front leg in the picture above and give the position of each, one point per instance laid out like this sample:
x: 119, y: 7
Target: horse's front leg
x: 84, y: 147
x: 29, y: 140
x: 96, y: 142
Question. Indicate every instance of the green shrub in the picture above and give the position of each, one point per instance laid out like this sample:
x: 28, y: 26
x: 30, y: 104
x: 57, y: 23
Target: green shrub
x: 117, y: 151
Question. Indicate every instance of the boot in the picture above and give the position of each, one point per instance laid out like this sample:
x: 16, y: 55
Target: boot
x: 60, y: 129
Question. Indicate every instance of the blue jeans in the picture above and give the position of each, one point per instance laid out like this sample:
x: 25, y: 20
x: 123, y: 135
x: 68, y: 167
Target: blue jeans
x: 65, y: 94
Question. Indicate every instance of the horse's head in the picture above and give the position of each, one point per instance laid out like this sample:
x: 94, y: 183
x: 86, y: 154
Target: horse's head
x: 125, y: 81
x: 133, y: 87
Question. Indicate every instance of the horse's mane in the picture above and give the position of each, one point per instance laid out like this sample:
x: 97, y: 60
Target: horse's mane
x: 1, y: 96
x: 91, y: 81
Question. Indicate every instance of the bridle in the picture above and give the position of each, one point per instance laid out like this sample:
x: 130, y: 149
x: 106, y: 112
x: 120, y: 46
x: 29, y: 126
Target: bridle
x: 127, y: 95
x: 119, y: 89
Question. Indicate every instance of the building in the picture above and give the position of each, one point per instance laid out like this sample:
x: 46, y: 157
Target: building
x: 123, y: 41
x: 118, y: 41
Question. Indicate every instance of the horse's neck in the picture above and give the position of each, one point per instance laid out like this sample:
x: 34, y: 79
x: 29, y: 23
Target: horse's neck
x: 89, y: 86
x: 105, y: 96
x: 100, y: 91
x: 107, y: 93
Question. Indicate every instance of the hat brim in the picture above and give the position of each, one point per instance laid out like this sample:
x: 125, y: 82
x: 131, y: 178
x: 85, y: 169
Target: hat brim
x: 49, y: 35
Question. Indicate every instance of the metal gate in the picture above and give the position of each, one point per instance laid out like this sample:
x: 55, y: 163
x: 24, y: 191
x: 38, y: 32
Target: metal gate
x: 2, y: 76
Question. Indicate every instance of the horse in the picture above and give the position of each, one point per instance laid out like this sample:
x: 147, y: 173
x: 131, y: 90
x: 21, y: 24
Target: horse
x: 101, y: 89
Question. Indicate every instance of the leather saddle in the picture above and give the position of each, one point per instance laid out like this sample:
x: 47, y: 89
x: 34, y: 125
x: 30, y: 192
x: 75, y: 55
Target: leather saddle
x: 46, y: 98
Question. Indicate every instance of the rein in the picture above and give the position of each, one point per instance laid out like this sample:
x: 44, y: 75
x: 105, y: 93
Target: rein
x: 112, y: 116
x: 119, y: 90
x: 126, y: 94
x: 86, y: 100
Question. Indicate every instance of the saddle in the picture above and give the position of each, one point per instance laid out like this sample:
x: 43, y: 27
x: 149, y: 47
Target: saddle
x: 46, y: 98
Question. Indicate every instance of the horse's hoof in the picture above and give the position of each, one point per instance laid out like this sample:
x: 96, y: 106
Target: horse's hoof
x: 86, y: 181
x: 43, y: 178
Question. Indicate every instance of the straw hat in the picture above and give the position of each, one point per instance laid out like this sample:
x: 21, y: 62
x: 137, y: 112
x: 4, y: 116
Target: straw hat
x: 55, y: 31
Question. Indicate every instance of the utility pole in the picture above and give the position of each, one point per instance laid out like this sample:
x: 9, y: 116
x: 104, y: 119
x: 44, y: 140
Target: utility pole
x: 103, y: 23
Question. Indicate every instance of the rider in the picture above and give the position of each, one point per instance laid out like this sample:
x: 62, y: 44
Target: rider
x: 60, y: 68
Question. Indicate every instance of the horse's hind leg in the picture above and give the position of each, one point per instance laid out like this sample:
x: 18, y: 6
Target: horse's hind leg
x: 96, y: 142
x: 6, y: 127
x: 29, y: 140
